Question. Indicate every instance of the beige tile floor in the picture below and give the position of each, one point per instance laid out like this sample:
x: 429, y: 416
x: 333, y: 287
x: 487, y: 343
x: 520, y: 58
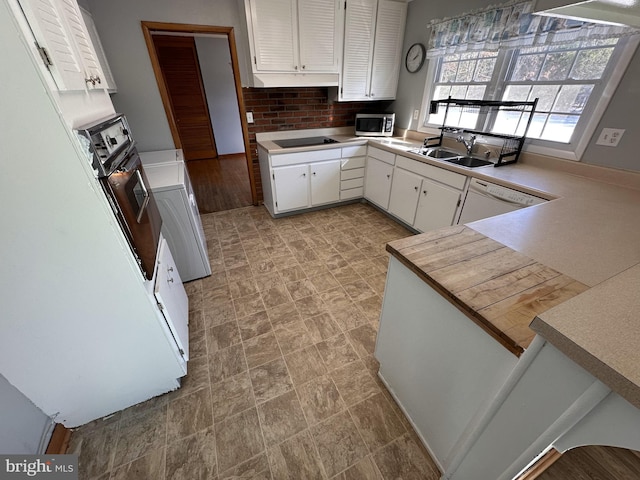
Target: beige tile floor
x: 282, y: 382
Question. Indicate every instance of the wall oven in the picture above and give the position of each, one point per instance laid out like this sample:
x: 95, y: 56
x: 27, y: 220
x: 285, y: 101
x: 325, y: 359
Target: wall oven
x: 117, y: 164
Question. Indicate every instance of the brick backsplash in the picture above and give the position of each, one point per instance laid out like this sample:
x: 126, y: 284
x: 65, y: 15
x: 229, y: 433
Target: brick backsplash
x: 278, y: 109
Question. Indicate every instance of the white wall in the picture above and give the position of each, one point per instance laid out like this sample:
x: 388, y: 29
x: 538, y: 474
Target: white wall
x: 22, y: 422
x: 118, y: 23
x: 619, y: 114
x: 217, y: 77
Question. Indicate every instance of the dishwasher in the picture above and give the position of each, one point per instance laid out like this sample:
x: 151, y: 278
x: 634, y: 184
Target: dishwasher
x: 484, y: 200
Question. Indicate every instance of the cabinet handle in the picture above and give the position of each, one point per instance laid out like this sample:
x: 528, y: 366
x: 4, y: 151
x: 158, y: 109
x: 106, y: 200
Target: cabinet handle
x: 170, y: 269
x: 170, y: 280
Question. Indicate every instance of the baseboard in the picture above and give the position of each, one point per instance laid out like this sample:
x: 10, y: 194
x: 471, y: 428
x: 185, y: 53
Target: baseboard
x: 59, y: 442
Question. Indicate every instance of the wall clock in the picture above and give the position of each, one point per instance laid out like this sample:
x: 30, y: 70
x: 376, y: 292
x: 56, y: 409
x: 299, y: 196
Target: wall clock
x: 415, y: 57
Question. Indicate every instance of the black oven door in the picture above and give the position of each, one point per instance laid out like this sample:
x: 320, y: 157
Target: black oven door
x: 136, y: 209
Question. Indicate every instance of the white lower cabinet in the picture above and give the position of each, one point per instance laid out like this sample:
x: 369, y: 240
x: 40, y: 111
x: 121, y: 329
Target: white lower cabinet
x: 291, y: 185
x: 437, y: 206
x: 325, y: 182
x: 421, y: 195
x: 377, y: 182
x: 405, y: 190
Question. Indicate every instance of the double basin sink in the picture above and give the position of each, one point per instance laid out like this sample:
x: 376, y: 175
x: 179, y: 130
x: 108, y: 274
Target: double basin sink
x: 454, y: 157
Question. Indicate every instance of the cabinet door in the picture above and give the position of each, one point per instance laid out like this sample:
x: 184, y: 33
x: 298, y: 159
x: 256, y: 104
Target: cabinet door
x: 325, y: 182
x: 360, y: 24
x: 320, y: 29
x: 387, y: 49
x: 377, y: 183
x: 405, y: 190
x: 274, y: 35
x: 108, y: 81
x: 172, y: 299
x: 46, y: 20
x: 437, y: 206
x: 84, y: 46
x: 291, y: 185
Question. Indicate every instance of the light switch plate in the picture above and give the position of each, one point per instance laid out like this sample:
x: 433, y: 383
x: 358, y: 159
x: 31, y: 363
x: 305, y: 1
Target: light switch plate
x: 249, y: 117
x: 610, y: 137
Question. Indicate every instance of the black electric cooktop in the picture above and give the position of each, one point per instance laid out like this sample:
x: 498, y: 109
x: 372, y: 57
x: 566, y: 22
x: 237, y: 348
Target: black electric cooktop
x: 304, y: 142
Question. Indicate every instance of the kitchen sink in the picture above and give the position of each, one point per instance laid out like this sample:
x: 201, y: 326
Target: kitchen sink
x: 304, y: 142
x: 468, y: 161
x: 441, y: 153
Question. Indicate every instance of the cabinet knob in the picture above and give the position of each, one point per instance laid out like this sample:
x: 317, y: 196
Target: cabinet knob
x: 304, y: 174
x: 295, y: 67
x: 304, y: 66
x: 373, y: 94
x: 415, y: 188
x: 389, y: 175
x: 314, y: 174
x: 424, y: 192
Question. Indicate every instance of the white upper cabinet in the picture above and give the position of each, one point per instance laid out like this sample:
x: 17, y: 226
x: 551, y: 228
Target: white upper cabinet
x: 108, y: 81
x: 374, y: 31
x: 295, y: 42
x: 64, y: 43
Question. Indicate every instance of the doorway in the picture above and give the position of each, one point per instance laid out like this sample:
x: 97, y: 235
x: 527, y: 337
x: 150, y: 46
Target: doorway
x: 221, y: 181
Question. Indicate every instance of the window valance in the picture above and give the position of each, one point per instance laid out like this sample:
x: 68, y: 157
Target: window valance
x: 509, y: 26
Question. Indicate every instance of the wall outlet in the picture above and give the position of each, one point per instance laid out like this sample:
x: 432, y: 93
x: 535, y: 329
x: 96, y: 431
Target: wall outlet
x: 416, y: 114
x: 249, y: 117
x: 610, y: 137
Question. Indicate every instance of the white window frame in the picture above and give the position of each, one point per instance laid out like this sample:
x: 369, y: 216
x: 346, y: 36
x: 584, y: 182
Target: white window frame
x: 589, y: 119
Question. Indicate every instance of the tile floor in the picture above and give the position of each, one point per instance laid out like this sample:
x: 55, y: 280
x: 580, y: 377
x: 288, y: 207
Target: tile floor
x: 282, y: 382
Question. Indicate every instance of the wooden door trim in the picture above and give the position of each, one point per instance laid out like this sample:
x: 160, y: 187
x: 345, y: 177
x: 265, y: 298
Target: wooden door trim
x: 147, y: 29
x: 541, y: 465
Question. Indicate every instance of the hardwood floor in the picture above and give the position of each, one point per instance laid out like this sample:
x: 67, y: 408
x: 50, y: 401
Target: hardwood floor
x: 595, y: 463
x: 220, y: 183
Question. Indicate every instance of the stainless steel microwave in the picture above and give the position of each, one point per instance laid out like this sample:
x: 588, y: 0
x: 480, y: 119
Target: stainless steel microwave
x: 375, y: 124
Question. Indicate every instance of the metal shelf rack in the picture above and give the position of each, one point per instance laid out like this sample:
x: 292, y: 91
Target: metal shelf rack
x: 516, y: 115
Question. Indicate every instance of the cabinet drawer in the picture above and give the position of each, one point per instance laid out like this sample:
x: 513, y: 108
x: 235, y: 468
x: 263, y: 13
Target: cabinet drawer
x: 349, y: 174
x: 355, y: 162
x: 383, y: 155
x: 353, y: 183
x: 453, y: 179
x: 351, y: 193
x: 283, y: 159
x: 355, y: 151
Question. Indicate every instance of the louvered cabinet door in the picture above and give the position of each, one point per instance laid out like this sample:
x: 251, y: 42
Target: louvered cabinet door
x: 82, y: 41
x: 274, y: 35
x: 387, y: 49
x: 46, y: 20
x: 320, y: 31
x: 360, y: 21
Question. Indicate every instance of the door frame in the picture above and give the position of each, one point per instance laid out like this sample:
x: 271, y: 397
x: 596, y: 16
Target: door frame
x: 148, y: 28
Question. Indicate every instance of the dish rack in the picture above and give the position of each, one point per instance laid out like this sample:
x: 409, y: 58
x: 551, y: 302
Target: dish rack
x: 510, y: 120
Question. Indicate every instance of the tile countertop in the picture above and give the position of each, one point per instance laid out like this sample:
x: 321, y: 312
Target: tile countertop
x: 589, y: 232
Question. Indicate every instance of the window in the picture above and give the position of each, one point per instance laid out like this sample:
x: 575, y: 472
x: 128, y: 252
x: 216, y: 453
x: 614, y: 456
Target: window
x: 508, y: 53
x: 564, y: 78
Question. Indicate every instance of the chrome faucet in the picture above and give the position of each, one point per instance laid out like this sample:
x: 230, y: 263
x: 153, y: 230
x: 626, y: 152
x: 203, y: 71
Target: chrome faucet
x: 468, y: 144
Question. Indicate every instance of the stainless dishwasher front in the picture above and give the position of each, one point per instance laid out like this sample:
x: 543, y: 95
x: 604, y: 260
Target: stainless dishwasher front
x: 484, y: 200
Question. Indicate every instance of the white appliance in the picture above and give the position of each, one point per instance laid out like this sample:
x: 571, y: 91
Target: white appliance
x: 484, y: 200
x: 181, y: 225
